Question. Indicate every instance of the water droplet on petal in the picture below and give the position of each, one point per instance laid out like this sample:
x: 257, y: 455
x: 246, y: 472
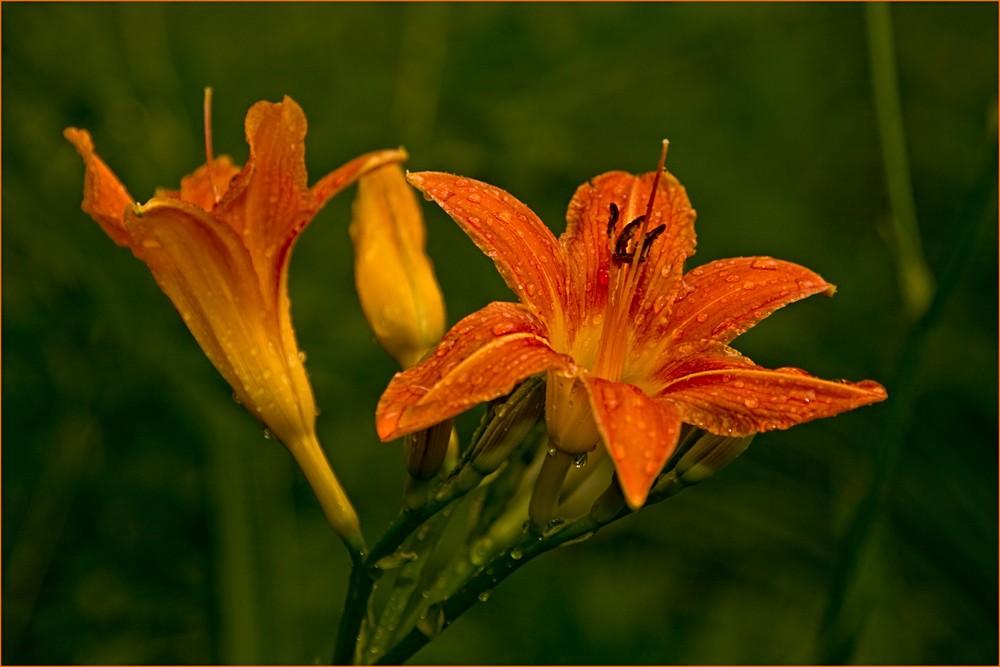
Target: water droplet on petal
x: 702, y: 317
x: 503, y: 328
x: 484, y: 596
x: 732, y: 279
x: 150, y: 243
x: 751, y: 402
x: 530, y: 288
x: 765, y: 263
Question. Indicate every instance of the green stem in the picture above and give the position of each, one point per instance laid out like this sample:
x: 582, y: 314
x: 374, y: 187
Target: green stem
x: 915, y: 280
x: 404, y: 587
x: 359, y: 591
x: 841, y: 628
x: 477, y: 588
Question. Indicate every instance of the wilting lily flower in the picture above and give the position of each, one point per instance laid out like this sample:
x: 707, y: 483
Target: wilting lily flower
x: 632, y: 346
x: 219, y: 248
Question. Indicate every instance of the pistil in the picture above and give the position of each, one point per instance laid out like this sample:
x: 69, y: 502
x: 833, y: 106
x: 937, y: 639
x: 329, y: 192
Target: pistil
x: 209, y: 158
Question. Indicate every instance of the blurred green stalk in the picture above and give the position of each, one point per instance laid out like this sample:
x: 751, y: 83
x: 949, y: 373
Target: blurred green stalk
x: 915, y: 281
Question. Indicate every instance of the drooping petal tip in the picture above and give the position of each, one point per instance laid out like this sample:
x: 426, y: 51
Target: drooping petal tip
x: 104, y: 197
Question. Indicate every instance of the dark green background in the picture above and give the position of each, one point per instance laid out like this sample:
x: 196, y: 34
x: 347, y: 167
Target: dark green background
x: 146, y: 519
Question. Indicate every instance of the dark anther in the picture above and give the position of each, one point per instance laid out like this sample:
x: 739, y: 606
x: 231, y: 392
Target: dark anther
x: 621, y: 253
x: 613, y: 220
x: 647, y: 242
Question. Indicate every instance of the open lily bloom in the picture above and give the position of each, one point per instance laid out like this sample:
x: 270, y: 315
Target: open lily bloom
x: 633, y: 348
x: 219, y: 248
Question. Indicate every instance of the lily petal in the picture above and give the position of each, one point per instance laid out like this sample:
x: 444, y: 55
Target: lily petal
x: 524, y: 250
x: 733, y: 396
x: 205, y: 270
x: 640, y: 433
x: 346, y: 174
x: 104, y: 197
x: 481, y: 358
x: 205, y: 187
x: 727, y: 297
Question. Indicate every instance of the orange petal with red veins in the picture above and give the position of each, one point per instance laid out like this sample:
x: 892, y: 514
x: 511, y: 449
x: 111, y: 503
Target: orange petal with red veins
x: 104, y: 196
x: 640, y: 433
x: 483, y: 356
x: 524, y: 250
x: 735, y: 397
x: 727, y: 297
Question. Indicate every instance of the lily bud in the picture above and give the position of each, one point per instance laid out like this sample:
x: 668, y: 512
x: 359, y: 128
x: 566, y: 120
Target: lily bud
x: 395, y: 280
x: 507, y: 424
x: 709, y: 454
x: 425, y: 450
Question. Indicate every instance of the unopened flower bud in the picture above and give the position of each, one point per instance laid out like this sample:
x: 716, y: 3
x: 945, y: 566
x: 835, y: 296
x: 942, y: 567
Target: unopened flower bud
x: 395, y: 280
x: 508, y: 422
x: 425, y: 450
x: 709, y: 454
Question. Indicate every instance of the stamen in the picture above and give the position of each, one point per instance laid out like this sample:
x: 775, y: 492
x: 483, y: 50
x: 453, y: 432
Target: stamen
x: 621, y: 253
x: 613, y: 220
x: 647, y: 242
x: 209, y: 159
x: 609, y: 359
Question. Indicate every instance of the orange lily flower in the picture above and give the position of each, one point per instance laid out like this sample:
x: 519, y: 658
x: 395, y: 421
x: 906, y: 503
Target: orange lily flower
x: 219, y: 248
x: 633, y: 347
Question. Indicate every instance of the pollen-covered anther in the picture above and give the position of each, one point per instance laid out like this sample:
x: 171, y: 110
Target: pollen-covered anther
x: 621, y: 253
x: 612, y: 219
x: 647, y: 242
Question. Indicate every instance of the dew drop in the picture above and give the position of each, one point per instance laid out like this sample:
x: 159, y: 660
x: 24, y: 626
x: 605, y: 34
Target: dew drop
x: 579, y: 460
x: 751, y: 402
x: 516, y: 553
x: 598, y: 318
x: 702, y: 317
x: 531, y: 288
x: 749, y: 284
x: 732, y: 279
x: 236, y: 399
x: 503, y: 328
x: 804, y: 283
x: 150, y: 243
x: 602, y: 277
x: 268, y: 435
x: 765, y: 263
x: 484, y: 596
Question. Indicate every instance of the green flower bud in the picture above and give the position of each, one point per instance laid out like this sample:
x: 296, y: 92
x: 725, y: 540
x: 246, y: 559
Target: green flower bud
x: 506, y: 424
x: 708, y: 454
x: 425, y: 450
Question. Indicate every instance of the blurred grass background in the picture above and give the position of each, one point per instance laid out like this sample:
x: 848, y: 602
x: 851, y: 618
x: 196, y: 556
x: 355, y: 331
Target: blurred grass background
x: 146, y: 519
